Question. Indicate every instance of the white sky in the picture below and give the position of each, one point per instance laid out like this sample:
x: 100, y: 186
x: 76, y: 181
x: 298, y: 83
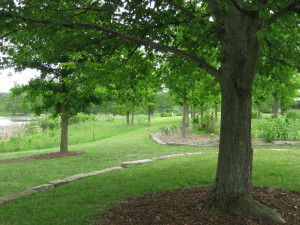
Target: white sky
x: 7, y: 82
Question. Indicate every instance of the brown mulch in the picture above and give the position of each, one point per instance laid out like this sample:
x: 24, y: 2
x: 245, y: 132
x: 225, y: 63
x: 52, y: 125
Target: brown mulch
x: 181, y: 207
x: 201, y: 140
x: 43, y: 156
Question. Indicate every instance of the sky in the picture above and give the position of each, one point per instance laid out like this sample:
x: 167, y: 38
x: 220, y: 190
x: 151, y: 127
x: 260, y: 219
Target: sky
x: 7, y: 82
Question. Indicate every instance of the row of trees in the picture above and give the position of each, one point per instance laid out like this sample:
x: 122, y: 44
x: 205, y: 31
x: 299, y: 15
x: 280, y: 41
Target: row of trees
x: 83, y: 47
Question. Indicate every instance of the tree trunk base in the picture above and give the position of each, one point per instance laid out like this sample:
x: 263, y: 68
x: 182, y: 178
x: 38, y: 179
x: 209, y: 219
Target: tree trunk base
x: 245, y: 207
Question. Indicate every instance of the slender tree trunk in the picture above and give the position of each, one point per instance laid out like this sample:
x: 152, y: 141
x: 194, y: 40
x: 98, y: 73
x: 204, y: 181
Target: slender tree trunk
x: 64, y: 129
x: 259, y: 111
x: 149, y: 114
x: 183, y: 125
x: 132, y: 117
x: 216, y: 112
x: 201, y: 113
x: 275, y: 106
x: 187, y: 114
x: 127, y: 118
x: 282, y: 108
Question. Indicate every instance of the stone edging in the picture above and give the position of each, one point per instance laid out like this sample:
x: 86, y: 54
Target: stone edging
x: 57, y: 183
x: 155, y: 138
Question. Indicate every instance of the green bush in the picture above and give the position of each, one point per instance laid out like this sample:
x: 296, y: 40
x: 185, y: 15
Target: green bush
x: 48, y: 123
x: 172, y: 130
x: 280, y: 128
x: 254, y: 115
x: 81, y: 117
x: 207, y: 123
x: 165, y: 114
x: 293, y: 114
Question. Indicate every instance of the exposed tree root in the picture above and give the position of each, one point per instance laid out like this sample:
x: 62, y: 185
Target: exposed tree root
x: 246, y: 207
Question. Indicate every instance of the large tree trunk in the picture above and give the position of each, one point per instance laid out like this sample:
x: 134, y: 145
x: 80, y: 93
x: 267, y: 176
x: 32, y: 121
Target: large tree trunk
x: 240, y: 51
x: 64, y: 128
x: 234, y: 172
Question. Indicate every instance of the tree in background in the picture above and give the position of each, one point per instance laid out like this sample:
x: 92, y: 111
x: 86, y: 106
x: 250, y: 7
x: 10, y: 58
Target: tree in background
x: 132, y: 83
x: 59, y: 90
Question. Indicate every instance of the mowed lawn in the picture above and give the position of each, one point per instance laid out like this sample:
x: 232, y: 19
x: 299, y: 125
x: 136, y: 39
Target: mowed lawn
x: 84, y: 201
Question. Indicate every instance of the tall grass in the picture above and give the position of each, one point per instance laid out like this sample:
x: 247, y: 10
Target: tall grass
x: 82, y: 132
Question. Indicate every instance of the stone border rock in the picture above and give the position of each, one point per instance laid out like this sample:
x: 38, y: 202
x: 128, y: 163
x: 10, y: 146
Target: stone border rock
x: 155, y: 137
x: 57, y: 183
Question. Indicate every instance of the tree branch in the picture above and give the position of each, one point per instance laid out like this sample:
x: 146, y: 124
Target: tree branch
x: 198, y: 61
x: 282, y: 11
x: 180, y: 7
x: 277, y: 60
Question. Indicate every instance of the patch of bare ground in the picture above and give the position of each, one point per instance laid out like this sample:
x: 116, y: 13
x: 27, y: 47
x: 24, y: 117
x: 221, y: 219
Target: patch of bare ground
x: 43, y: 156
x: 182, y: 207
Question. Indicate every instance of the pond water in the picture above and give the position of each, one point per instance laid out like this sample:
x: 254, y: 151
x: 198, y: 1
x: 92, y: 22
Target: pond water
x: 8, y: 121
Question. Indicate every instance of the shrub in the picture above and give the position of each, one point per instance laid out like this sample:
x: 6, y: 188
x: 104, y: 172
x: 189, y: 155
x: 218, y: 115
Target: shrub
x: 48, y: 123
x: 293, y: 114
x: 172, y: 130
x: 165, y: 114
x: 280, y: 128
x: 207, y: 123
x: 254, y: 115
x: 81, y: 117
x: 165, y: 130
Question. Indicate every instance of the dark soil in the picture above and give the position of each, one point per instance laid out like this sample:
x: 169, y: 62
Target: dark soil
x: 182, y: 207
x: 43, y: 156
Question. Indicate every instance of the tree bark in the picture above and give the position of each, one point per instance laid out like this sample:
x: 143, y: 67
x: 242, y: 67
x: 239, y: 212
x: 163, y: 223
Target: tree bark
x: 240, y: 50
x: 259, y: 111
x: 216, y: 112
x: 132, y: 117
x: 149, y: 114
x: 187, y: 114
x: 275, y: 106
x: 282, y: 109
x: 201, y: 113
x: 184, y: 116
x: 234, y: 171
x: 127, y: 118
x: 64, y: 128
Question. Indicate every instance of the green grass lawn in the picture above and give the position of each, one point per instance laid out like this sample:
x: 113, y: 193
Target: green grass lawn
x: 82, y: 202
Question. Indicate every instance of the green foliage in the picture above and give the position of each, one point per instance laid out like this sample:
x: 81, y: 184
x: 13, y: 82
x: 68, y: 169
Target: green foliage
x: 165, y: 114
x: 48, y: 123
x: 170, y: 130
x: 15, y: 141
x: 293, y: 114
x: 254, y: 114
x: 207, y: 123
x: 280, y: 128
x: 45, y: 133
x: 82, y: 117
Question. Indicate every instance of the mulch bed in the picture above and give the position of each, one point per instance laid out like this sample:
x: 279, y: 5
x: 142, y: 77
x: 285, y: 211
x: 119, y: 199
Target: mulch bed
x: 181, y: 207
x: 43, y: 156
